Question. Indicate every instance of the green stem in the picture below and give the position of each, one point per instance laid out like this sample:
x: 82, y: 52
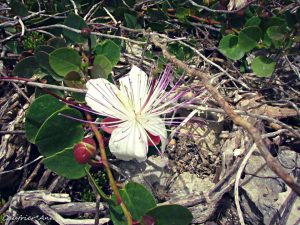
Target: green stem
x: 111, y: 179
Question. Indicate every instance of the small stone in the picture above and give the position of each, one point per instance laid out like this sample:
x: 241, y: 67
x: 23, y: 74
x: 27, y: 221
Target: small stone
x: 187, y: 183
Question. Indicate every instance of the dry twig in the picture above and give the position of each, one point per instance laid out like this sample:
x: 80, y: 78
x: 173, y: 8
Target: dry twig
x: 260, y: 142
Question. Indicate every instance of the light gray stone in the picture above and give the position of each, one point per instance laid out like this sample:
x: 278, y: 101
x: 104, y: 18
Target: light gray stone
x: 152, y: 173
x: 263, y: 194
x: 187, y: 183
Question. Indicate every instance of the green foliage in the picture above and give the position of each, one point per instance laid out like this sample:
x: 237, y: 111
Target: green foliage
x: 74, y: 79
x: 64, y: 61
x: 170, y: 215
x: 263, y: 66
x: 180, y: 51
x: 63, y: 163
x: 44, y: 48
x: 276, y: 33
x: 76, y: 22
x: 110, y: 50
x: 55, y: 135
x: 102, y: 65
x: 38, y: 112
x: 230, y: 48
x: 33, y: 39
x: 142, y: 204
x: 131, y: 21
x: 50, y: 141
x: 27, y: 67
x: 71, y: 58
x: 57, y: 42
x: 107, y: 55
x: 18, y: 8
x: 249, y: 37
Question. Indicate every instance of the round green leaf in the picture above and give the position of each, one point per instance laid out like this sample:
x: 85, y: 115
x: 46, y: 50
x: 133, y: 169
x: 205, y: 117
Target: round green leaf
x: 182, y: 13
x: 74, y: 79
x: 27, y: 67
x: 136, y: 198
x: 276, y: 33
x: 171, y: 215
x: 43, y: 59
x: 42, y: 108
x: 156, y: 15
x: 103, y: 65
x: 64, y: 60
x: 110, y: 50
x: 59, y: 132
x: 253, y: 21
x: 45, y: 48
x: 64, y: 164
x: 263, y: 66
x: 273, y: 21
x: 230, y: 48
x: 248, y: 38
x: 131, y: 21
x: 75, y: 21
x: 18, y: 8
x: 57, y: 42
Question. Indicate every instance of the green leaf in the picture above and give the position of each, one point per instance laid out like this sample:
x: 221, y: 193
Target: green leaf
x: 79, y: 97
x: 253, y: 21
x: 291, y: 19
x: 136, y: 198
x: 182, y: 13
x: 157, y: 26
x: 180, y: 51
x: 248, y: 38
x: 110, y: 50
x: 64, y: 164
x: 38, y: 112
x: 263, y: 66
x: 276, y: 33
x: 73, y: 79
x: 59, y: 132
x: 57, y: 42
x: 65, y: 60
x: 273, y: 21
x: 45, y: 48
x: 18, y: 8
x: 131, y: 21
x: 43, y: 59
x: 27, y: 67
x: 103, y: 65
x: 230, y: 48
x: 116, y: 213
x: 156, y: 15
x: 170, y: 215
x: 76, y: 22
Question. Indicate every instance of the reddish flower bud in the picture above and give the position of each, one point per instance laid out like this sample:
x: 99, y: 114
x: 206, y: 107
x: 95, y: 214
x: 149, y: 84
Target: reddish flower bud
x: 85, y: 32
x: 85, y: 150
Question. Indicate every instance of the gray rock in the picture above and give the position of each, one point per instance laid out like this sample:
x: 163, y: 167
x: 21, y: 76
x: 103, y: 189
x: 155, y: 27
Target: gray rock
x: 263, y: 194
x: 187, y: 183
x: 153, y: 173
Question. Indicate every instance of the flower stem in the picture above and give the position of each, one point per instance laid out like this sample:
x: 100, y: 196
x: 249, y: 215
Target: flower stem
x: 108, y: 171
